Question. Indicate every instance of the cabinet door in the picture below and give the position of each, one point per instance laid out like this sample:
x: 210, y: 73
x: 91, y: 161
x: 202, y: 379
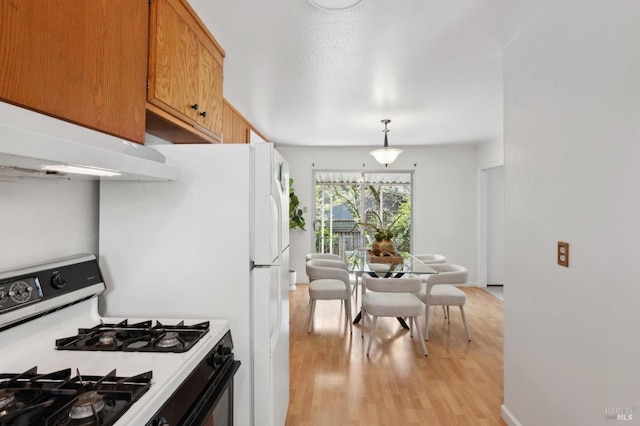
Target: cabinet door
x: 185, y: 71
x: 210, y: 90
x: 175, y: 50
x: 81, y: 61
x: 235, y: 129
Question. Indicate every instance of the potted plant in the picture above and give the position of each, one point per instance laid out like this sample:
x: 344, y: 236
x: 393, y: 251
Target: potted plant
x: 296, y: 220
x: 382, y: 235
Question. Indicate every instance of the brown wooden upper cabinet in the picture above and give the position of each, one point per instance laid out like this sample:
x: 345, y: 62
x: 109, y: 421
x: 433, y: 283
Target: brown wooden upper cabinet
x: 235, y: 129
x: 80, y: 61
x: 184, y: 99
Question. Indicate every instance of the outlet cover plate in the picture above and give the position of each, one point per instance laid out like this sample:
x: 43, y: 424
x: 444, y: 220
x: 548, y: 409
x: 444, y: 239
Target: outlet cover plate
x: 563, y: 254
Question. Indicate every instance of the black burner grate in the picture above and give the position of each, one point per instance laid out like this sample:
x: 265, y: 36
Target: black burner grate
x: 139, y: 337
x: 30, y: 398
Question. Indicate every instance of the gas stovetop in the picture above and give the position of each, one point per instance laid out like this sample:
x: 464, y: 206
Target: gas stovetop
x: 56, y: 398
x: 40, y: 305
x: 138, y: 337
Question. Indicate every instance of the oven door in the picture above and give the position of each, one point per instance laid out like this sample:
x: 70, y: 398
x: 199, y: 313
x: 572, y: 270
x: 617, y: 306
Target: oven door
x: 199, y: 401
x: 215, y: 405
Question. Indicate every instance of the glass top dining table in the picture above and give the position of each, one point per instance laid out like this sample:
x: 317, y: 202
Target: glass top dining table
x: 359, y: 263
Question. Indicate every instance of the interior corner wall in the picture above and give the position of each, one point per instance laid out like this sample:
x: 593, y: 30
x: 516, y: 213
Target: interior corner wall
x: 572, y: 120
x: 445, y: 212
x: 491, y: 153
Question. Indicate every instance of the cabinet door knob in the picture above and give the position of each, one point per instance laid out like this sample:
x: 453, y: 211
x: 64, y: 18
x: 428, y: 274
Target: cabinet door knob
x: 194, y: 106
x: 203, y: 113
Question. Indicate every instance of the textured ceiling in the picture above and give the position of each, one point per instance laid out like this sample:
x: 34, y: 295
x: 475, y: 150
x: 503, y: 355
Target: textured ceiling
x: 307, y: 76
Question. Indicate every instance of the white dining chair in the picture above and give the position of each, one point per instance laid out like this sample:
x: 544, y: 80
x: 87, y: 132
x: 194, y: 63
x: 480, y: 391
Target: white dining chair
x: 330, y: 256
x: 328, y: 280
x: 440, y: 290
x: 327, y: 256
x: 392, y: 297
x: 431, y: 258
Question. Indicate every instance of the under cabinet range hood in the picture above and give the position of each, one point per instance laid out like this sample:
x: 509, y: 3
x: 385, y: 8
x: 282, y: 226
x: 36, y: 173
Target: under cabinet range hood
x: 33, y: 144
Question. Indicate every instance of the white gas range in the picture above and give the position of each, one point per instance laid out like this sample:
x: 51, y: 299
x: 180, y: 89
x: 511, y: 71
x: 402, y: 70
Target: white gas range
x: 62, y: 363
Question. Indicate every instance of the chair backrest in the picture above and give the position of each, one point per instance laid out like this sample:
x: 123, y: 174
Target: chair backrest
x: 322, y: 269
x: 431, y: 258
x: 447, y: 274
x: 391, y: 285
x: 330, y: 263
x: 312, y: 256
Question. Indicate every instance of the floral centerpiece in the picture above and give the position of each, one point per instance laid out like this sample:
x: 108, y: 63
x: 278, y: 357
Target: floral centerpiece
x: 382, y: 247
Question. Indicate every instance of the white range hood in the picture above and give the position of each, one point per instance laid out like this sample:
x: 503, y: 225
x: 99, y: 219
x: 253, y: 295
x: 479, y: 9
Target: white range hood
x: 33, y: 144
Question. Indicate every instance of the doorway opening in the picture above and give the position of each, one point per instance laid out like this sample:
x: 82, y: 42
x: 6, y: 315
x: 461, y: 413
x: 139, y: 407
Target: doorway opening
x: 495, y: 231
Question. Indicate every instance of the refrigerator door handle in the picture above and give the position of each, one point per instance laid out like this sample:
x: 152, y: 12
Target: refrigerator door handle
x: 253, y: 265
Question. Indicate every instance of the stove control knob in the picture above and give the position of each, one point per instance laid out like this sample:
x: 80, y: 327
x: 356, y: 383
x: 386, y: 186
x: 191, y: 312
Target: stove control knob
x: 161, y: 422
x: 225, y: 350
x: 58, y: 280
x: 216, y: 360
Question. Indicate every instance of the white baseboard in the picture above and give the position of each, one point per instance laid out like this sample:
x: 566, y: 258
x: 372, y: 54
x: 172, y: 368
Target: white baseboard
x: 509, y: 418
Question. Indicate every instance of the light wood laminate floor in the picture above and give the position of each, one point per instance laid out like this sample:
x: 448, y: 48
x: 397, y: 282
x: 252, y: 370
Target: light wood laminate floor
x: 334, y: 383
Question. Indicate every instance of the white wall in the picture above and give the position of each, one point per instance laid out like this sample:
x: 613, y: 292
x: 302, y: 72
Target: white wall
x: 444, y: 196
x: 572, y: 120
x: 43, y: 219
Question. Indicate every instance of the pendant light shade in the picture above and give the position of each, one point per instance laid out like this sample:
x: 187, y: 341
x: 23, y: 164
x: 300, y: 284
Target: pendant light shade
x: 334, y: 4
x: 386, y: 155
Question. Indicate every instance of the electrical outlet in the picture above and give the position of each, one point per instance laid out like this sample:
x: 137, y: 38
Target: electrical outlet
x: 563, y: 254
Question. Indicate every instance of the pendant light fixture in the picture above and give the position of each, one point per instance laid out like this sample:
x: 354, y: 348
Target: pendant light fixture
x: 385, y: 155
x: 334, y: 4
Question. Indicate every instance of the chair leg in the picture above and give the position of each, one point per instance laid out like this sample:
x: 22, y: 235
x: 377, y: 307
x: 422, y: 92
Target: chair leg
x: 447, y: 315
x: 363, y: 311
x: 354, y: 290
x: 424, y: 346
x: 373, y: 330
x: 426, y: 322
x: 311, y: 312
x: 347, y: 303
x: 464, y: 321
x: 444, y: 312
x: 411, y: 325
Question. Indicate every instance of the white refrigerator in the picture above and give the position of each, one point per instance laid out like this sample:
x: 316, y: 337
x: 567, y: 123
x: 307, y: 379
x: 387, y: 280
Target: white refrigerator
x: 213, y: 244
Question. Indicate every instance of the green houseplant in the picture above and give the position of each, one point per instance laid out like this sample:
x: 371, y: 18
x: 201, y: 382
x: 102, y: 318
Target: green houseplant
x: 296, y: 220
